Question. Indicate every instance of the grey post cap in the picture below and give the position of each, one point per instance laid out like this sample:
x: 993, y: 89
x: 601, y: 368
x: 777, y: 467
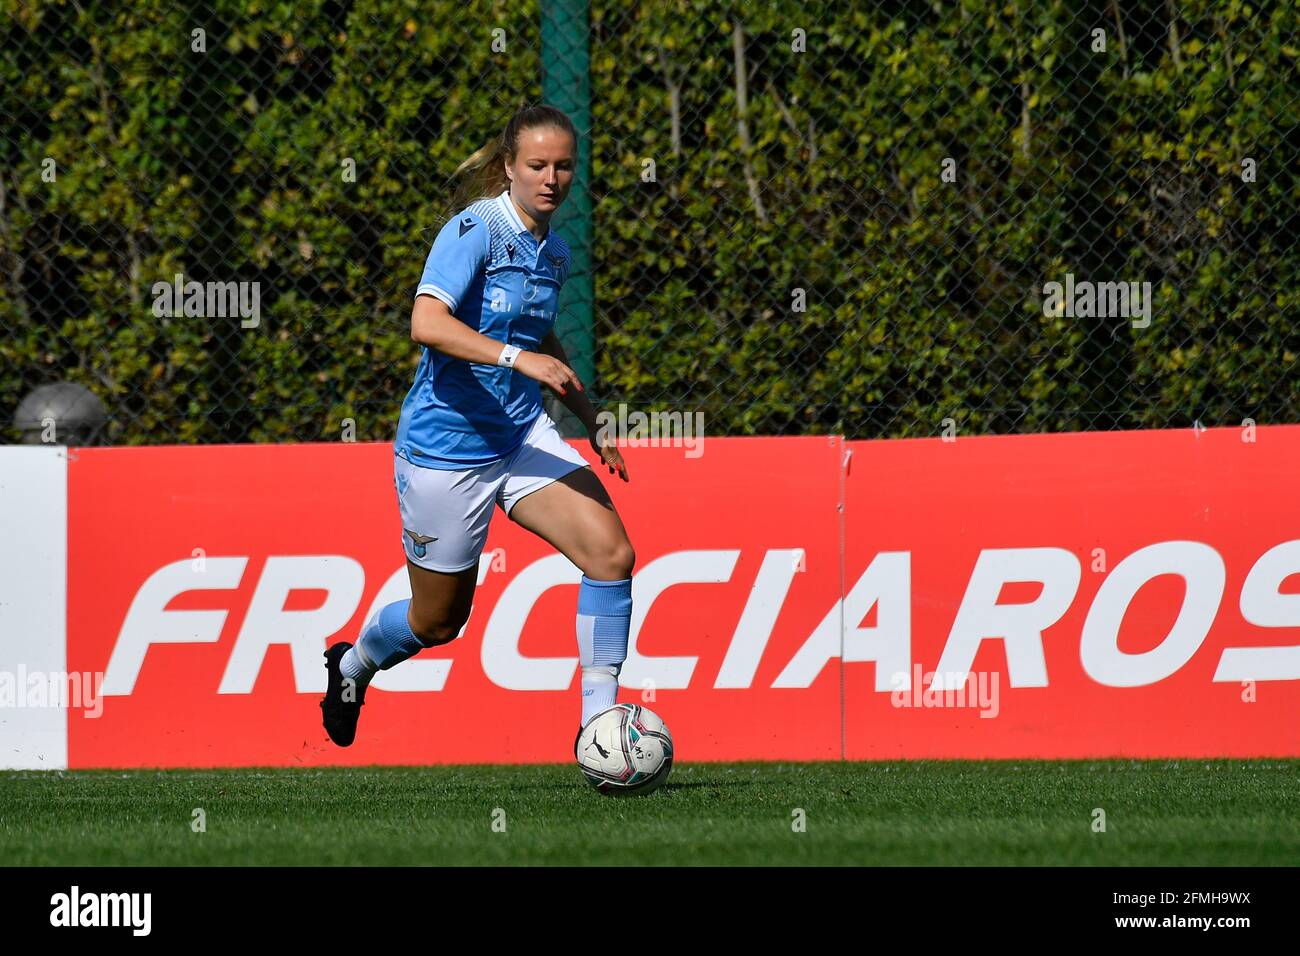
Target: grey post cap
x: 78, y: 414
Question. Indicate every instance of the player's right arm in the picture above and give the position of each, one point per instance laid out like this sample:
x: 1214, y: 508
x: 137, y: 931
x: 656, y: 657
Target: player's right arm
x: 459, y: 252
x: 432, y: 324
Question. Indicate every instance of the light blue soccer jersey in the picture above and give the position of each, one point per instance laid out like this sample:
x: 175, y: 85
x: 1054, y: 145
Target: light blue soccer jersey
x: 497, y: 279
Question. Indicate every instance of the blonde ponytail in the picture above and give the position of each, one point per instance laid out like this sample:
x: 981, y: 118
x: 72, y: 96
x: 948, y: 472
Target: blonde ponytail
x: 484, y: 176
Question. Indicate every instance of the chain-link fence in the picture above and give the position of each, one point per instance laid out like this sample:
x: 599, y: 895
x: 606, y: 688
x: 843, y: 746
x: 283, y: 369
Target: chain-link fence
x: 882, y: 220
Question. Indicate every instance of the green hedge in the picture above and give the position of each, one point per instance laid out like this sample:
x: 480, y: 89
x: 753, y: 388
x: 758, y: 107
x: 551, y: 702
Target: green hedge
x: 924, y: 298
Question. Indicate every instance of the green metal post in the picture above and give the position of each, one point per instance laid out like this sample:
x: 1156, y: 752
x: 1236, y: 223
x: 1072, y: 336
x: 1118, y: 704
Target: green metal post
x: 566, y: 85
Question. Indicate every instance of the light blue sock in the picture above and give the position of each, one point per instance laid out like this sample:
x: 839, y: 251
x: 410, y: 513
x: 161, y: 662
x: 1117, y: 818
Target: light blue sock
x: 386, y: 640
x: 604, y: 618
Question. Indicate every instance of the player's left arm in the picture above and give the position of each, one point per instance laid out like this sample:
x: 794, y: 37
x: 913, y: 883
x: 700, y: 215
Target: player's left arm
x: 576, y: 401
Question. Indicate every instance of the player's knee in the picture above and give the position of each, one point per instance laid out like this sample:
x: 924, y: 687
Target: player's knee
x: 435, y: 633
x: 627, y: 558
x: 613, y: 563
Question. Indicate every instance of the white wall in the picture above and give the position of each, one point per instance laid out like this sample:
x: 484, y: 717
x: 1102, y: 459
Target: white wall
x: 33, y: 602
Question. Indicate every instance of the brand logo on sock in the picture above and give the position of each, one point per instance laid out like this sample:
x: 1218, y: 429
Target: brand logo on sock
x: 420, y: 540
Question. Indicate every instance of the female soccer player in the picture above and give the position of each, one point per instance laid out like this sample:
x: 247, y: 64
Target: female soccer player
x: 472, y: 430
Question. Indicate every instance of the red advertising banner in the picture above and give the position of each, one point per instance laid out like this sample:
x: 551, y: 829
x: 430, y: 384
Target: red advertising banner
x: 207, y: 581
x: 1130, y: 594
x: 1083, y: 595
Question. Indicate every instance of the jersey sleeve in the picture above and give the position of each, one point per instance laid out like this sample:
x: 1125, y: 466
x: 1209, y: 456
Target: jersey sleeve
x: 459, y: 252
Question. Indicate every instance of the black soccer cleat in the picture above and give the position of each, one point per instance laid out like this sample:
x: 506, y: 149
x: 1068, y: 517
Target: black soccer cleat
x: 337, y: 713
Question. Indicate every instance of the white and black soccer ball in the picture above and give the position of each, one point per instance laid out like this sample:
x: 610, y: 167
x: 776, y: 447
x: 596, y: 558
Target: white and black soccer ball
x: 626, y: 749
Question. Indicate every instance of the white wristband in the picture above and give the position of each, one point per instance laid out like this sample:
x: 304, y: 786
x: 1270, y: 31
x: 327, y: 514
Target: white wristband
x: 508, y: 356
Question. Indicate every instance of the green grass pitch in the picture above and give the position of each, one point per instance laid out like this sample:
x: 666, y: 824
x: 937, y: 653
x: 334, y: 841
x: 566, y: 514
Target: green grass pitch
x: 1163, y: 813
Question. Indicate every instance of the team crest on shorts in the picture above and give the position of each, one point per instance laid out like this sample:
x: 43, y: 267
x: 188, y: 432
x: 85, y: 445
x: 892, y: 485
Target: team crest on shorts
x: 420, y: 540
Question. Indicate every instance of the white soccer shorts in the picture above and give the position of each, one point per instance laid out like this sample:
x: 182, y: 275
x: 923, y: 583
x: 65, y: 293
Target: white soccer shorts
x: 445, y: 514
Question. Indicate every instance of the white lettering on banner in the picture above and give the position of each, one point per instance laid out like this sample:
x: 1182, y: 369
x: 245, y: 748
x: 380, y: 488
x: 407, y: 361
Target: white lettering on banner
x: 266, y: 623
x: 1201, y: 569
x: 759, y: 617
x: 1019, y: 626
x: 147, y: 622
x: 1263, y: 605
x: 887, y: 583
x: 502, y: 662
x: 678, y: 567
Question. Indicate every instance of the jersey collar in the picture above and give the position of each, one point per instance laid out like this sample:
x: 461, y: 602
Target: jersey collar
x: 508, y: 208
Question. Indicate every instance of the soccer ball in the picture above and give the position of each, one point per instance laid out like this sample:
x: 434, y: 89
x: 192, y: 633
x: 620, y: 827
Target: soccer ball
x: 624, y: 750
